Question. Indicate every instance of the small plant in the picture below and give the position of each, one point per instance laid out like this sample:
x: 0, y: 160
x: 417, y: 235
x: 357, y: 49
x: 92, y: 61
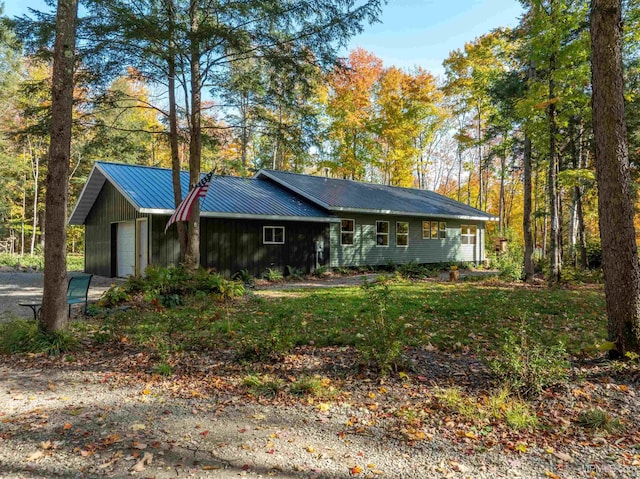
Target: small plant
x: 114, y: 296
x: 321, y: 271
x: 263, y: 385
x: 308, y: 386
x: 163, y: 368
x: 519, y: 416
x: 599, y: 420
x: 291, y: 272
x: 273, y: 275
x: 244, y: 276
x: 529, y: 366
x: 170, y: 301
x: 381, y: 338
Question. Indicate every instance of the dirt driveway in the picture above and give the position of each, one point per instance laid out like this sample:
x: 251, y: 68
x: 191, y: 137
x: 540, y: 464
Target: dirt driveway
x: 18, y: 287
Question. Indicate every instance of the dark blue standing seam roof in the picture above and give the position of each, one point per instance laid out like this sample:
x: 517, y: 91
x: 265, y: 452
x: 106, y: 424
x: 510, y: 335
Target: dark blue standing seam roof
x: 347, y: 195
x: 151, y: 188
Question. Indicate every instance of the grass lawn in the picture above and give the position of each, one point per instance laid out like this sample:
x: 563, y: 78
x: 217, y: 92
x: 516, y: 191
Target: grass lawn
x: 447, y: 316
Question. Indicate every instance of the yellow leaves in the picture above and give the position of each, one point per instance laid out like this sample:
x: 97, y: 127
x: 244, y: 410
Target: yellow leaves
x: 521, y: 447
x: 323, y: 406
x: 551, y: 475
x: 310, y: 449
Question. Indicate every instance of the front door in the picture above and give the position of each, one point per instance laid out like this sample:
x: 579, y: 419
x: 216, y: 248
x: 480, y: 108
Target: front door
x: 126, y: 247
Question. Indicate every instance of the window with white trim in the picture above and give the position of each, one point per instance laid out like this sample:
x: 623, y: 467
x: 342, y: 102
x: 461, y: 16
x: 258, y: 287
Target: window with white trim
x: 468, y: 234
x: 273, y: 234
x: 443, y: 230
x: 382, y: 233
x: 402, y: 233
x: 347, y: 231
x: 426, y: 229
x: 434, y: 230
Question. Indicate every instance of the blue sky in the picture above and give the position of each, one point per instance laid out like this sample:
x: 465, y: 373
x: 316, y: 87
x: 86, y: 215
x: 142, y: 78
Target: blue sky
x: 411, y: 32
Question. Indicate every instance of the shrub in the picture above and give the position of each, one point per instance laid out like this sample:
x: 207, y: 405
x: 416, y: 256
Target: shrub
x: 594, y: 254
x: 321, y: 271
x: 273, y: 275
x: 291, y: 272
x: 381, y: 339
x: 527, y: 365
x: 244, y: 276
x: 114, y: 296
x: 413, y: 270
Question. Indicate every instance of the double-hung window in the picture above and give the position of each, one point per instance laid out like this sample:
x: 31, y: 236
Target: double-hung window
x: 468, y: 234
x: 402, y: 233
x: 347, y: 230
x: 382, y: 233
x: 273, y: 235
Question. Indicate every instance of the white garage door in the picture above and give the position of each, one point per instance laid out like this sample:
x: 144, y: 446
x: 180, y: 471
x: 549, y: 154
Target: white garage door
x: 126, y: 250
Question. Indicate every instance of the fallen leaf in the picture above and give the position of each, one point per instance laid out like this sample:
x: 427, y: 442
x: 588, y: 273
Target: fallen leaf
x: 355, y: 470
x: 138, y: 445
x: 45, y: 445
x: 145, y: 461
x: 563, y: 457
x: 138, y: 426
x: 36, y: 455
x: 66, y: 426
x: 552, y: 475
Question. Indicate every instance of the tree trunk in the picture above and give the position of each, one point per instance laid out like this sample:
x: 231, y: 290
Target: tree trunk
x: 615, y: 200
x: 192, y: 254
x: 555, y: 264
x: 526, y: 220
x: 54, y: 301
x: 503, y: 162
x: 173, y: 130
x: 480, y: 169
x: 35, y: 171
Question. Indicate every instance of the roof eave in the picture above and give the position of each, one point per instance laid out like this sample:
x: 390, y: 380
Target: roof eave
x: 247, y: 216
x: 368, y: 211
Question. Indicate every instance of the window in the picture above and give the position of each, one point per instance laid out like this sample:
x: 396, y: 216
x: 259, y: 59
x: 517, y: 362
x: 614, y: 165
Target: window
x: 347, y: 229
x: 382, y: 233
x: 273, y: 234
x: 443, y: 230
x: 468, y: 233
x: 434, y: 230
x: 426, y: 229
x: 402, y: 233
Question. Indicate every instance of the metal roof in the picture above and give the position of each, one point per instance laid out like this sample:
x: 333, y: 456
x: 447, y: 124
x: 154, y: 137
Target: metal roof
x: 150, y: 190
x: 338, y: 196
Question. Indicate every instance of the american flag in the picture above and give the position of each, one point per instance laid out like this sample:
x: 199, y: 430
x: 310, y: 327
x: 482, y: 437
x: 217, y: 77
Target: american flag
x: 183, y: 211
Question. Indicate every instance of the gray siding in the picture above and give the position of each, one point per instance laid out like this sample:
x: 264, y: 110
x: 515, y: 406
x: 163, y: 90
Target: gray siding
x: 365, y: 252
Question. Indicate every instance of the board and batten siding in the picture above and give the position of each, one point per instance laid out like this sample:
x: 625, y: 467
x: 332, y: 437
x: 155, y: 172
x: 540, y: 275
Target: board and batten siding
x: 364, y: 250
x: 230, y: 245
x: 109, y: 209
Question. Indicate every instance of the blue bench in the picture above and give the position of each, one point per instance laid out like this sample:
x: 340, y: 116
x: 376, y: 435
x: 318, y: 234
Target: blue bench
x: 77, y: 293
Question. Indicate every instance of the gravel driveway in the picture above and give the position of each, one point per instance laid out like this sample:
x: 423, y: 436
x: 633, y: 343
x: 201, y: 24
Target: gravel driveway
x: 18, y: 287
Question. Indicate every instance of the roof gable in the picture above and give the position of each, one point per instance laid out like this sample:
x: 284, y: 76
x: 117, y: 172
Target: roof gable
x: 338, y: 195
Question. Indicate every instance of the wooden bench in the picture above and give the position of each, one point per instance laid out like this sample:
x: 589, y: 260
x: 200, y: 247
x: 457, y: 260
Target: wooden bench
x: 77, y: 293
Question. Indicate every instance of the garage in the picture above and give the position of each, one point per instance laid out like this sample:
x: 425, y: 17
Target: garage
x: 126, y: 250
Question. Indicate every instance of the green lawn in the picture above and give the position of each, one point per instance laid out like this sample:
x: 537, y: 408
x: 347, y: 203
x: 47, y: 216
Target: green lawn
x: 446, y: 315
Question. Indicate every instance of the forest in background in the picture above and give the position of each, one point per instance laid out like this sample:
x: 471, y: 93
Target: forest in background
x: 513, y: 107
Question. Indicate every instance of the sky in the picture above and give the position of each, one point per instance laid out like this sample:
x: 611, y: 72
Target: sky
x: 411, y: 32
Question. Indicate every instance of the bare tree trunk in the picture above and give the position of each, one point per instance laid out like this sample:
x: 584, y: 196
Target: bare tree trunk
x: 615, y: 199
x: 173, y: 130
x: 555, y: 266
x: 192, y: 254
x: 35, y: 172
x: 501, y: 199
x: 480, y: 169
x: 529, y: 270
x: 54, y: 301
